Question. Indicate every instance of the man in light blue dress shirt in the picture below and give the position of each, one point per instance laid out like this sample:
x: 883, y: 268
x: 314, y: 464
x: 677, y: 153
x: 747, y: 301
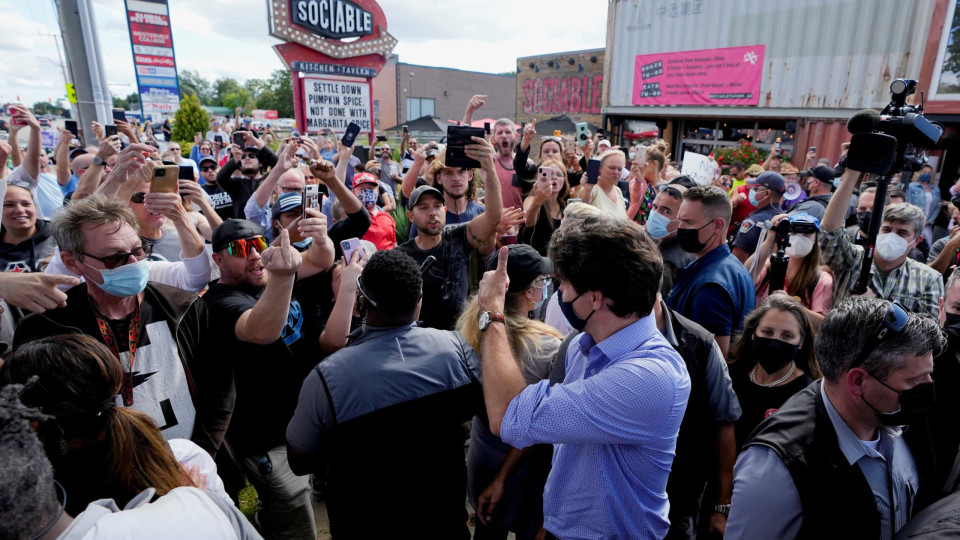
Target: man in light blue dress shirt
x: 850, y: 455
x: 614, y: 419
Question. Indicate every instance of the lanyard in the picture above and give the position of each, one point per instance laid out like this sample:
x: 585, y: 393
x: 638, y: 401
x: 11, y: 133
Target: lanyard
x: 133, y: 339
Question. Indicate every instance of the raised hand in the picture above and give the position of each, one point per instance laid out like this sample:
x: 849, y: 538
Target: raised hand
x: 476, y: 102
x: 323, y: 170
x: 282, y: 260
x: 313, y: 226
x: 493, y: 286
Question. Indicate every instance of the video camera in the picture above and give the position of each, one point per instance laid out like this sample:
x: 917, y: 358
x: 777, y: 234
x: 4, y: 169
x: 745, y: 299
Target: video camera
x: 884, y: 144
x: 893, y: 140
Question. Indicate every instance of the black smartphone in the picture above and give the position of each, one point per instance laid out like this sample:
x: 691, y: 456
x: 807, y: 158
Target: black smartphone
x: 71, y: 126
x: 238, y: 139
x: 350, y: 135
x: 600, y: 133
x: 382, y: 138
x: 119, y: 114
x: 110, y: 130
x: 185, y: 173
x: 486, y: 127
x: 457, y: 138
x: 218, y: 139
x: 593, y: 171
x: 404, y: 128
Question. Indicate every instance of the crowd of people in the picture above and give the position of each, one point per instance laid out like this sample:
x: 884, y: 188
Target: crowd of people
x: 583, y: 344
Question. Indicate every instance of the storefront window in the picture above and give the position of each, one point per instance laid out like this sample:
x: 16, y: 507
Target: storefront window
x: 704, y: 136
x: 946, y: 77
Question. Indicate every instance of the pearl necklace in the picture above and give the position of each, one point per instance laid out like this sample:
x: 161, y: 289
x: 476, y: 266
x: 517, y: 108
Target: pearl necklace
x: 753, y: 376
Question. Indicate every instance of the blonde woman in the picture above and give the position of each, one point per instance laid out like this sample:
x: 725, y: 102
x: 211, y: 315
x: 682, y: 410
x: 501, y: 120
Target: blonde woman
x: 505, y: 485
x: 606, y: 194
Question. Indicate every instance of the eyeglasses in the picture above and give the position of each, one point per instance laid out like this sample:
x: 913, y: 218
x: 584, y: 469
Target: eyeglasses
x: 243, y: 246
x: 894, y: 321
x: 291, y: 189
x: 119, y: 259
x: 542, y: 281
x: 137, y: 197
x: 207, y: 168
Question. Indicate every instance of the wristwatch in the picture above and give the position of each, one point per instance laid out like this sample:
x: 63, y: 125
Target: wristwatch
x: 97, y: 162
x: 722, y: 509
x: 488, y: 317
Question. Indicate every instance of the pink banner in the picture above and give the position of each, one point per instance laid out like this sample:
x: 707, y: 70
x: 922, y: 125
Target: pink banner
x: 708, y: 77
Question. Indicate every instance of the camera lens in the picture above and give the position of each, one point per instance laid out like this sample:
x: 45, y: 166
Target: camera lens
x: 161, y: 172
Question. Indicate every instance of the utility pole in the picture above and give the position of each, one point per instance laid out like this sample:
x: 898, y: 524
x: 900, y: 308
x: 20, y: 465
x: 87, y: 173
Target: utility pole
x: 82, y: 47
x: 63, y: 68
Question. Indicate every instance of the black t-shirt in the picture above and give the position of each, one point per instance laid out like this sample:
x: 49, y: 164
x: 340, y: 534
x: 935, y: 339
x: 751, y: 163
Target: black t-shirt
x: 759, y: 402
x: 445, y: 283
x: 222, y: 201
x: 240, y: 189
x: 267, y: 377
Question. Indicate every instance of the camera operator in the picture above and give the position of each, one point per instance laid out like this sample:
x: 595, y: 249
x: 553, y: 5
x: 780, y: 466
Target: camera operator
x: 766, y: 191
x: 918, y: 286
x: 804, y: 279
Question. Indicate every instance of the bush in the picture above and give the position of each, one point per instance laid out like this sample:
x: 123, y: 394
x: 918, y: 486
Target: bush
x: 190, y: 118
x: 746, y: 152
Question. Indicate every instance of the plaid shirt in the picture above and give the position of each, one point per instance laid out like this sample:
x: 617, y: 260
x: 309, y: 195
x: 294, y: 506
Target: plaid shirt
x: 916, y: 285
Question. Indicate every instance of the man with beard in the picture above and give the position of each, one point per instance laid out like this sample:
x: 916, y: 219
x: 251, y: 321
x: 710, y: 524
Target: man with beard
x: 249, y: 161
x: 445, y: 282
x: 270, y: 340
x: 389, y: 169
x: 458, y: 187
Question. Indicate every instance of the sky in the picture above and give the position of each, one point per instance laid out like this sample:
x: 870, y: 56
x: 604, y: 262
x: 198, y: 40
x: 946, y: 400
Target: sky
x: 229, y: 38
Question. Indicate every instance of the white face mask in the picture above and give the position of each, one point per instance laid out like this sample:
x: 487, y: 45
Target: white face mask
x: 891, y: 246
x: 800, y: 246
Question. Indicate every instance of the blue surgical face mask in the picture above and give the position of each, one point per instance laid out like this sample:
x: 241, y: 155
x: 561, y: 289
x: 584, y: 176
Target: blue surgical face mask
x: 368, y: 197
x: 925, y: 177
x: 753, y: 197
x: 126, y: 280
x: 657, y: 225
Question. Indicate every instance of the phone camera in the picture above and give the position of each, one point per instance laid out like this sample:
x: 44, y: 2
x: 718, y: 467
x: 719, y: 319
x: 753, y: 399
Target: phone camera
x: 160, y: 172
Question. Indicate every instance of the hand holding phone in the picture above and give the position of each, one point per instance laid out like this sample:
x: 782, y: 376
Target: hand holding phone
x: 239, y: 140
x: 350, y: 135
x: 349, y: 246
x: 583, y: 134
x: 593, y: 171
x: 311, y: 198
x: 110, y: 130
x: 165, y: 179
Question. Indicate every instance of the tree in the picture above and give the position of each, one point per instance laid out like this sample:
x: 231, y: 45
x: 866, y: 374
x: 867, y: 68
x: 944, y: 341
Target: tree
x: 42, y: 107
x: 192, y: 82
x: 131, y: 102
x: 190, y: 118
x: 279, y: 96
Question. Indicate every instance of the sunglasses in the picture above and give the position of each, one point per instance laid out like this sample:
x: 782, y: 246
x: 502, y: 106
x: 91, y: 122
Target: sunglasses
x: 249, y: 156
x: 243, y: 246
x: 119, y: 259
x: 894, y: 321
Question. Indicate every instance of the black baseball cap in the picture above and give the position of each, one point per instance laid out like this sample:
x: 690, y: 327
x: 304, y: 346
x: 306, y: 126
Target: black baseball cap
x: 524, y: 266
x: 235, y: 229
x: 419, y: 192
x: 207, y: 158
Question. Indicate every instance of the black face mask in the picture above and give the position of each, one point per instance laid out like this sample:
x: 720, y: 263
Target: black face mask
x: 952, y: 328
x: 915, y: 404
x: 773, y: 354
x: 689, y: 239
x: 863, y: 220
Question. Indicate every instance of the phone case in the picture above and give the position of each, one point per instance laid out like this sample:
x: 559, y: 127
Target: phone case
x: 593, y: 171
x: 457, y: 138
x: 165, y: 179
x: 311, y: 194
x: 350, y: 135
x: 583, y: 134
x: 349, y: 246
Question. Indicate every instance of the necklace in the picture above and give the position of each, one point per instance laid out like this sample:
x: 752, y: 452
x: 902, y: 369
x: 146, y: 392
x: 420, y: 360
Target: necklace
x: 500, y: 161
x: 753, y: 376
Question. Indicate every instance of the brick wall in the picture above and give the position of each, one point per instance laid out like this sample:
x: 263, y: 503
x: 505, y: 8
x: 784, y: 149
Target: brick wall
x: 450, y: 89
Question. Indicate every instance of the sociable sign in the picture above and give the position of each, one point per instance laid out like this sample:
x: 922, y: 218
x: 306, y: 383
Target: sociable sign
x: 337, y: 19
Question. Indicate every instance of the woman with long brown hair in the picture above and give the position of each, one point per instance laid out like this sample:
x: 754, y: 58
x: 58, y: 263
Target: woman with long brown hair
x: 805, y: 280
x: 543, y: 207
x: 98, y: 449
